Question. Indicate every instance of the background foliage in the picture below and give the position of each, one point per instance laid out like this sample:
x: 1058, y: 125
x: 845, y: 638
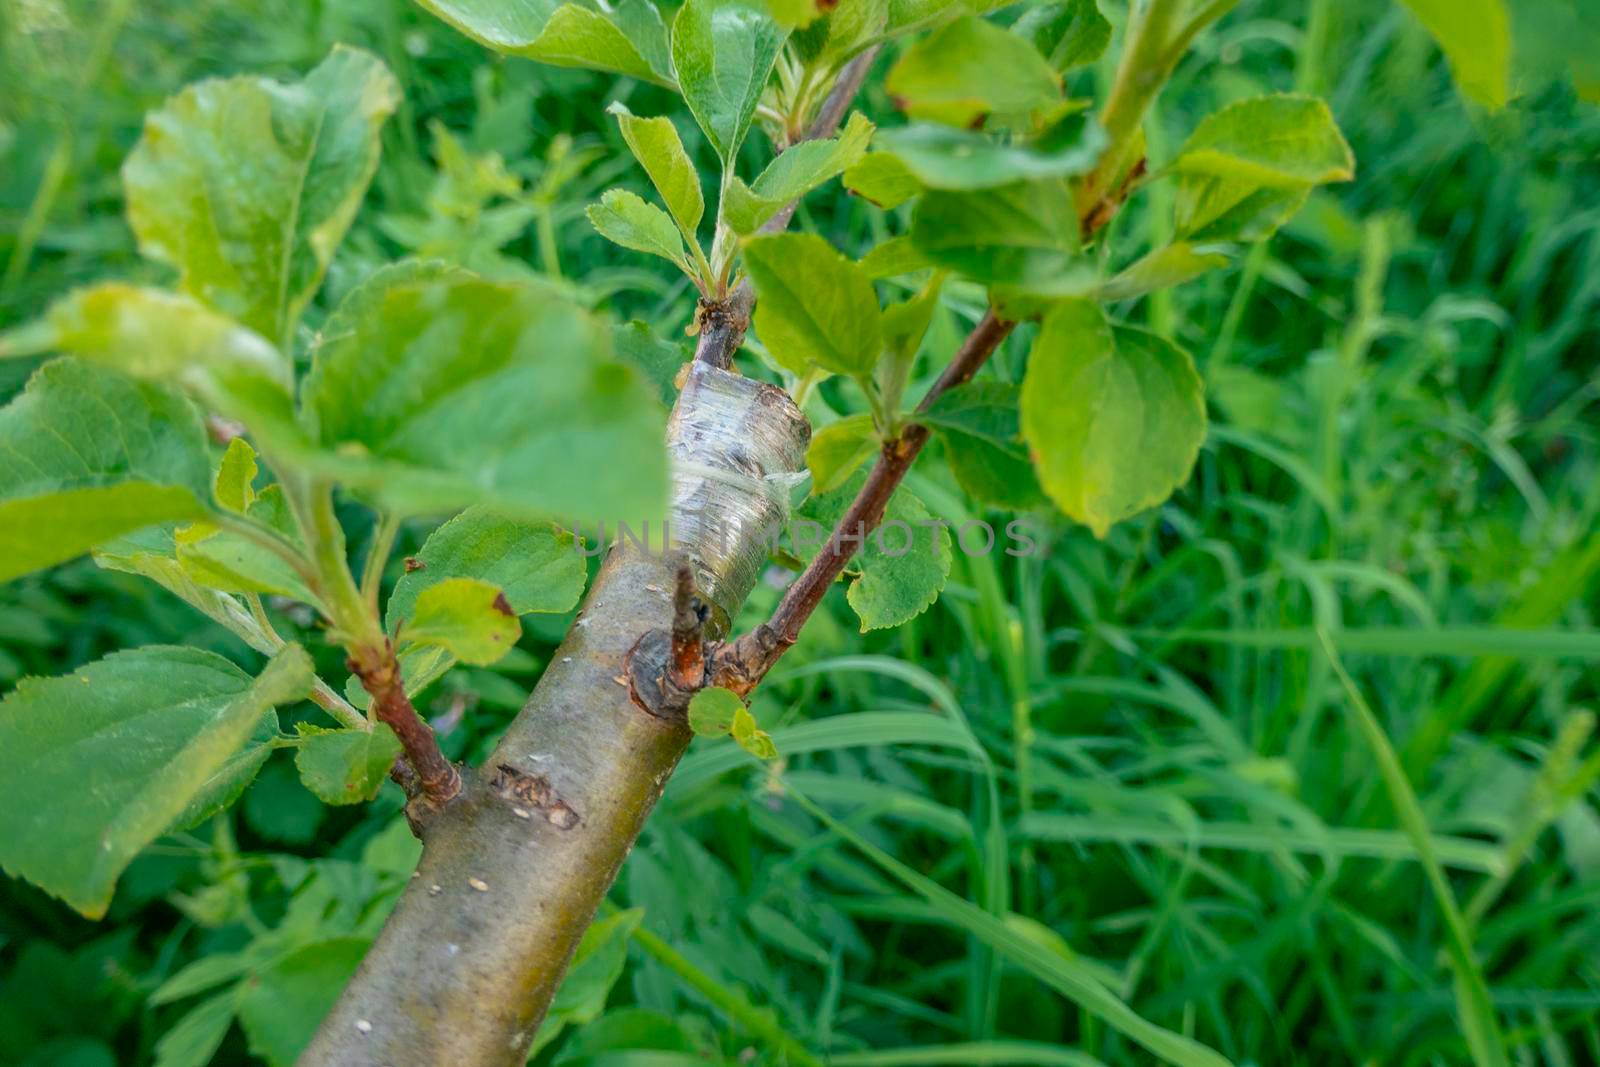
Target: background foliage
x: 1143, y: 738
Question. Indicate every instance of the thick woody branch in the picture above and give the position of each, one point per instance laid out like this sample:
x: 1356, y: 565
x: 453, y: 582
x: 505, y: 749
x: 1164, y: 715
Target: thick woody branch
x: 740, y: 666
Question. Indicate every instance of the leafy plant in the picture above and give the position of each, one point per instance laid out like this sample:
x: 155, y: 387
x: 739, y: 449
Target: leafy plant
x: 203, y: 436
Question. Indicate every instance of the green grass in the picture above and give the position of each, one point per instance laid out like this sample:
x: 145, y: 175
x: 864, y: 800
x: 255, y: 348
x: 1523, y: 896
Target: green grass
x: 1295, y: 768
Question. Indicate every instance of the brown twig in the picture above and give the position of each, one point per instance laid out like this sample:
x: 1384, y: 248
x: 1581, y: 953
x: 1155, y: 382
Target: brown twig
x: 688, y: 663
x: 379, y: 672
x: 741, y: 665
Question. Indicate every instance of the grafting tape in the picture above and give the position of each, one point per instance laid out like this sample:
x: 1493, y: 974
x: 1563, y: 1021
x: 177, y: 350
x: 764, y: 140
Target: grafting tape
x: 738, y: 447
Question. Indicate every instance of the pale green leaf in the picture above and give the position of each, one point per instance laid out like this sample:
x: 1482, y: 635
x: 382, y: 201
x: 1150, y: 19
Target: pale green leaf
x: 970, y: 69
x: 625, y: 219
x: 838, y: 449
x: 1280, y: 141
x: 97, y: 764
x: 1114, y: 416
x: 434, y: 393
x: 536, y: 565
x: 882, y: 179
x: 1167, y: 266
x: 655, y: 144
x: 1475, y: 36
x: 904, y: 326
x: 938, y: 157
x: 711, y: 711
x: 1023, y: 235
x: 172, y: 338
x: 751, y: 737
x: 1068, y: 34
x: 896, y: 256
x: 236, y: 476
x: 723, y: 51
x: 814, y: 307
x: 848, y: 28
x: 345, y: 766
x: 247, y: 185
x: 793, y: 14
x: 468, y: 617
x: 1246, y: 168
x: 87, y: 455
x: 578, y: 36
x: 631, y: 41
x: 232, y: 563
x: 800, y: 169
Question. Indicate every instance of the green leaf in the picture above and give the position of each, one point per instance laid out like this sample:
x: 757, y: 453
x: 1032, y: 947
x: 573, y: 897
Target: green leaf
x: 939, y: 157
x: 468, y: 617
x: 1069, y: 34
x: 97, y: 764
x: 1023, y: 235
x: 751, y: 737
x: 989, y: 410
x: 232, y: 563
x: 883, y: 179
x: 195, y: 1038
x: 980, y: 426
x: 814, y: 308
x: 655, y: 144
x: 1167, y: 266
x: 1248, y: 167
x: 436, y: 392
x: 800, y: 169
x: 174, y: 339
x: 536, y: 565
x: 625, y: 219
x: 711, y: 711
x: 970, y: 69
x: 91, y: 455
x: 849, y: 27
x: 1115, y: 417
x: 284, y: 1002
x: 152, y: 553
x: 723, y: 51
x: 657, y: 359
x: 899, y: 568
x: 896, y: 256
x: 247, y: 186
x: 236, y: 476
x: 838, y: 449
x: 345, y: 766
x: 1475, y: 36
x: 793, y: 14
x: 631, y: 41
x: 596, y: 965
x: 904, y: 326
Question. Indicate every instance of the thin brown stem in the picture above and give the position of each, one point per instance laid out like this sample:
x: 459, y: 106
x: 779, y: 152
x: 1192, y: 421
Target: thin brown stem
x: 740, y: 666
x: 379, y: 672
x: 688, y: 628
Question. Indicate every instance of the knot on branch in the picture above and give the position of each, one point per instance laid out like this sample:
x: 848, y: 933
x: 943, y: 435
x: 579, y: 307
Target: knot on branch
x: 535, y: 791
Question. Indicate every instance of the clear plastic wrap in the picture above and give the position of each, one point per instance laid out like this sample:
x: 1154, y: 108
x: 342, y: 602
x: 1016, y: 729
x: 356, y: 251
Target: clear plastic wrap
x: 738, y: 449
